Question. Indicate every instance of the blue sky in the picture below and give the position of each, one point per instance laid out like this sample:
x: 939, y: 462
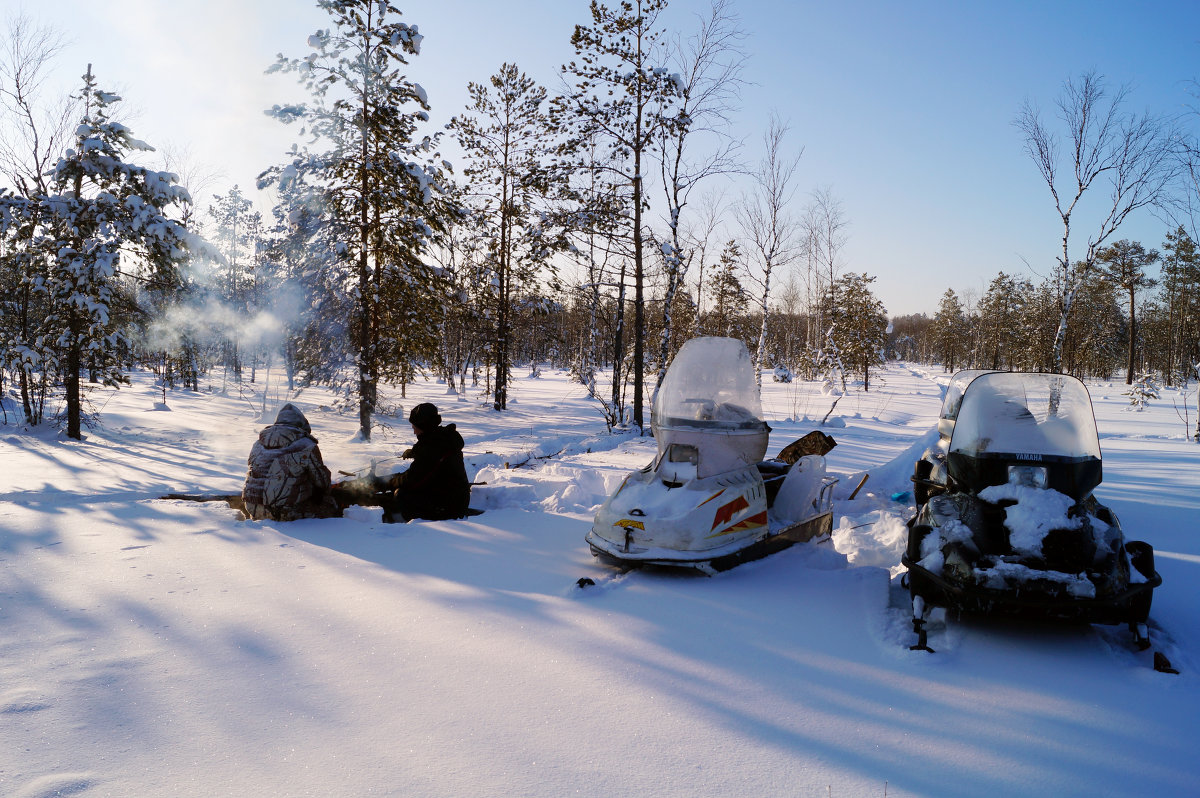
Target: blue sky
x: 904, y: 109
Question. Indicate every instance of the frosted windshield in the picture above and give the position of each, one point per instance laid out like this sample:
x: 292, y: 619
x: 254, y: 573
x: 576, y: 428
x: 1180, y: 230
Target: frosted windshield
x: 1016, y: 414
x: 954, y: 391
x: 710, y: 385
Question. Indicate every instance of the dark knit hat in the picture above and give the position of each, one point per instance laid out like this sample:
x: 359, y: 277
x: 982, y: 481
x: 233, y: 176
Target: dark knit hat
x: 424, y: 416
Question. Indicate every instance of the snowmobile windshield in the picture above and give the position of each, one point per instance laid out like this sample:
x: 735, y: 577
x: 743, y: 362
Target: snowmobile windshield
x: 954, y: 391
x: 1016, y: 415
x: 710, y: 385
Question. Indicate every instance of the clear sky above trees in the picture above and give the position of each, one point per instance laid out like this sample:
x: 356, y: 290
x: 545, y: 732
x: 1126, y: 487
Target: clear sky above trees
x: 904, y: 109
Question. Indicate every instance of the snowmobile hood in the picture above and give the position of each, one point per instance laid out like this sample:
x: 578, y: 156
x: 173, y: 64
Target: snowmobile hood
x: 707, y: 413
x: 1026, y: 426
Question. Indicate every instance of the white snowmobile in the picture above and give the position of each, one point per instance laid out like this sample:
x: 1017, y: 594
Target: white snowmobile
x: 1006, y: 521
x: 708, y: 501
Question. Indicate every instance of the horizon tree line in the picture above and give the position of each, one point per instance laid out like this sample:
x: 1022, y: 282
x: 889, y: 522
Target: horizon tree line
x: 378, y: 263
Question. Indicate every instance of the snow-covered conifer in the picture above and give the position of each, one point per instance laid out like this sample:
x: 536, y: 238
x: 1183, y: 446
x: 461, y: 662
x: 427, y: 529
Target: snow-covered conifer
x: 103, y: 217
x: 1141, y: 391
x: 380, y: 182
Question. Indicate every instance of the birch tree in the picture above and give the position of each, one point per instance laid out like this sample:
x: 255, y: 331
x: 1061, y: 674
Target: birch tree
x: 823, y: 227
x: 35, y: 128
x: 770, y: 232
x: 699, y: 146
x: 1096, y: 145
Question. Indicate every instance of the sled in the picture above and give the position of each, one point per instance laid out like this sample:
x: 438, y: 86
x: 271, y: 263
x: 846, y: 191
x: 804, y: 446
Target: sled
x: 366, y: 490
x: 708, y: 500
x: 234, y: 500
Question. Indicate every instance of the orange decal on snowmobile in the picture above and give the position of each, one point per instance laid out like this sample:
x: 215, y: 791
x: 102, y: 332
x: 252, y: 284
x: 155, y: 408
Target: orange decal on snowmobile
x: 725, y: 511
x: 710, y: 498
x: 753, y: 522
x: 631, y: 524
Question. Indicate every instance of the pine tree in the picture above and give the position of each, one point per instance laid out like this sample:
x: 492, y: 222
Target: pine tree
x: 621, y: 94
x: 379, y: 183
x: 302, y: 259
x: 504, y: 134
x: 728, y: 298
x: 595, y: 222
x: 860, y: 332
x: 233, y: 218
x: 1002, y: 323
x: 1141, y: 391
x: 1181, y: 294
x: 1124, y: 264
x: 950, y: 331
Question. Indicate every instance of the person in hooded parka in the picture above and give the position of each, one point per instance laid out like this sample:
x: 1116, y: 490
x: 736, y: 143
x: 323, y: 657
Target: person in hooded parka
x: 435, y: 486
x: 287, y: 479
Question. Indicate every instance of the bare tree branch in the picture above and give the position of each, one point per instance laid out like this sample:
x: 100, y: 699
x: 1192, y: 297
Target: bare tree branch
x: 1133, y: 153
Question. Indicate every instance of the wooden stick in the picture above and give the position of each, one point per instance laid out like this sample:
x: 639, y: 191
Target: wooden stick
x: 861, y: 482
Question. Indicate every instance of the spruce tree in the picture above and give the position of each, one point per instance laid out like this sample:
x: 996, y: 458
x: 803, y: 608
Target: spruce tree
x: 379, y: 181
x: 104, y: 217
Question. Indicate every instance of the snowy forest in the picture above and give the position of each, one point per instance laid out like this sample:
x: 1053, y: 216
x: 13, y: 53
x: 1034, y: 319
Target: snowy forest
x: 593, y: 226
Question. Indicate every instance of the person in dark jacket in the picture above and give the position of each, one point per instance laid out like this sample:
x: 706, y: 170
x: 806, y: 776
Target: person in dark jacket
x: 435, y: 486
x: 286, y: 478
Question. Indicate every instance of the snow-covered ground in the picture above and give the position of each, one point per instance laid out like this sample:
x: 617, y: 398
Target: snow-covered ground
x: 167, y: 648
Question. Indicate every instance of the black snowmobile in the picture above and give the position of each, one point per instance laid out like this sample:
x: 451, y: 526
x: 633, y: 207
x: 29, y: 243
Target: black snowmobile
x: 1006, y: 522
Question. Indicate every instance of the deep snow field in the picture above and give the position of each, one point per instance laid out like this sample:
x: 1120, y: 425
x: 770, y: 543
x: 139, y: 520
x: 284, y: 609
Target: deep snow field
x: 168, y: 648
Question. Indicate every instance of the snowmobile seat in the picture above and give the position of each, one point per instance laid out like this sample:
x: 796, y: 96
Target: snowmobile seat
x: 773, y: 473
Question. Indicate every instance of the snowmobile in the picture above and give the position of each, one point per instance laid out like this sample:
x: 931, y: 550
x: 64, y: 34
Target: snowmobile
x: 1006, y: 522
x: 708, y: 500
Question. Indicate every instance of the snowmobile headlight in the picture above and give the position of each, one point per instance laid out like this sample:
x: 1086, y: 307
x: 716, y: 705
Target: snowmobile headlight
x: 1029, y: 476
